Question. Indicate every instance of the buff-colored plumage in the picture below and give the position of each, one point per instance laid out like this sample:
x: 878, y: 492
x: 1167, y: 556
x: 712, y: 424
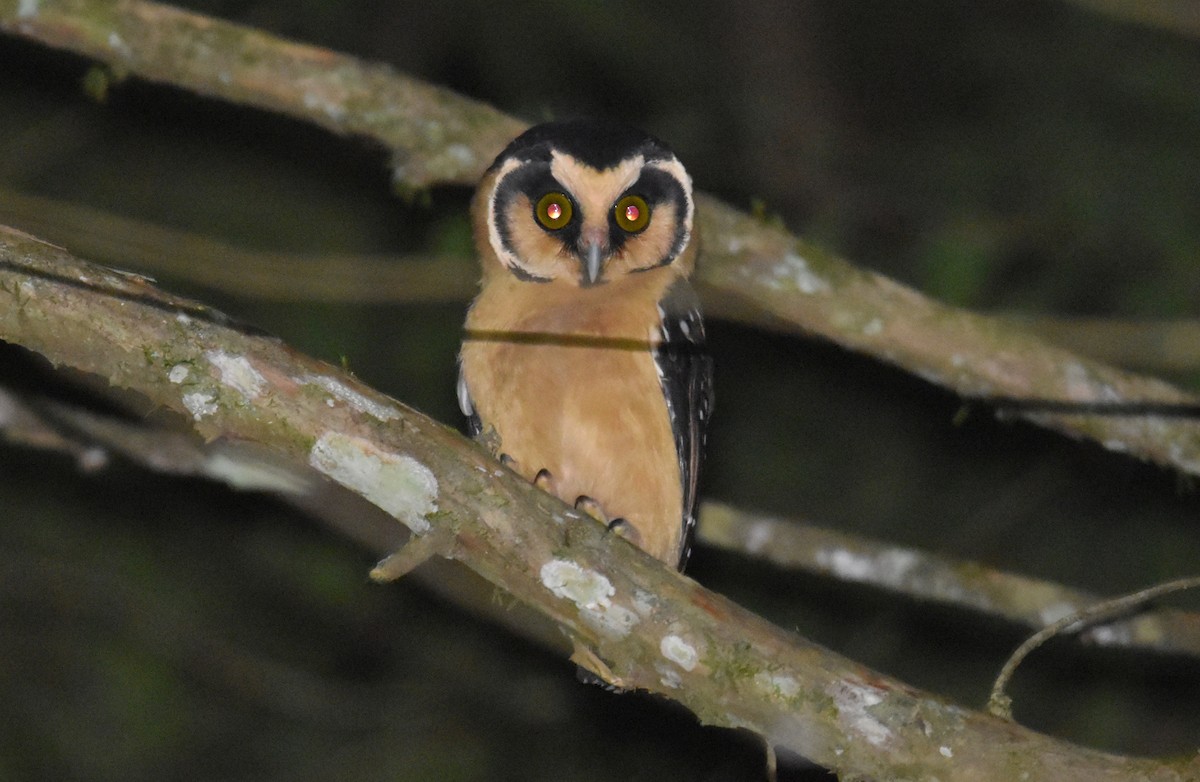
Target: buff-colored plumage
x: 562, y: 375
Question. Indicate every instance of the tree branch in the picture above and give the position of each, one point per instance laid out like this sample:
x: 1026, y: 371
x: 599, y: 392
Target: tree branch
x: 749, y: 270
x: 653, y: 628
x: 1032, y: 602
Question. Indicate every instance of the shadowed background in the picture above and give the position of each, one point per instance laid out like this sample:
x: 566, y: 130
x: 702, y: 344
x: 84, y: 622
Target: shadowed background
x: 1027, y: 157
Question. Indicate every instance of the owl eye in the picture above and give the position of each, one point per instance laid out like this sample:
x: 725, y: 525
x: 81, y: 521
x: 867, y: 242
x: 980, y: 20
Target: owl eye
x: 632, y: 213
x: 554, y: 210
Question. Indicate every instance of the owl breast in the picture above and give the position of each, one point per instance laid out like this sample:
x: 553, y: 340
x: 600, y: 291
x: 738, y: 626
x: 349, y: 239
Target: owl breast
x: 570, y: 385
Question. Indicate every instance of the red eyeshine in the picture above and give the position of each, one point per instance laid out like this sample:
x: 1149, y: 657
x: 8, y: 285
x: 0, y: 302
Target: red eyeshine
x: 632, y: 213
x: 554, y: 211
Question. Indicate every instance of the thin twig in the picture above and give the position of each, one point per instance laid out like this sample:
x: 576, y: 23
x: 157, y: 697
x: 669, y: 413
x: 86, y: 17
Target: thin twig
x: 1000, y: 704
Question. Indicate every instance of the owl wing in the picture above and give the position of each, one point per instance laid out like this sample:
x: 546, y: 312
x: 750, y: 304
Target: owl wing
x: 686, y: 372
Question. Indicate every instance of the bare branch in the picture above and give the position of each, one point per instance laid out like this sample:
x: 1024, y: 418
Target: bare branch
x: 653, y: 628
x: 1032, y: 602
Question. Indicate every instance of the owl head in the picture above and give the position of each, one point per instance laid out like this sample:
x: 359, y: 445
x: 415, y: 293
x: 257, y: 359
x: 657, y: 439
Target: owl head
x: 584, y: 202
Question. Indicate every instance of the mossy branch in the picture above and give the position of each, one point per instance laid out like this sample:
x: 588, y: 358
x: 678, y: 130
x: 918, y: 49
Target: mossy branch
x: 653, y: 628
x: 749, y: 270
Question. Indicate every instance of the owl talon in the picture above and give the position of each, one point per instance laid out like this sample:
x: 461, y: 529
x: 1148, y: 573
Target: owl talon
x: 544, y: 480
x: 626, y: 530
x: 591, y: 508
x: 619, y: 525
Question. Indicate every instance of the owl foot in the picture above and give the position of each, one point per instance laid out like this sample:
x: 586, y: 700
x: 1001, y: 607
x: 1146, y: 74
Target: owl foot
x: 626, y: 530
x: 618, y: 525
x: 591, y: 508
x: 544, y: 480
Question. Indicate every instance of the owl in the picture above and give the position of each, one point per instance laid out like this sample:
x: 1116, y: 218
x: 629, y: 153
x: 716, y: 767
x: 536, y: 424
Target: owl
x: 583, y: 365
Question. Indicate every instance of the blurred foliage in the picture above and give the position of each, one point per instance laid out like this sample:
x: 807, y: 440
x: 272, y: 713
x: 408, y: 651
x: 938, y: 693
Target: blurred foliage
x: 1009, y: 155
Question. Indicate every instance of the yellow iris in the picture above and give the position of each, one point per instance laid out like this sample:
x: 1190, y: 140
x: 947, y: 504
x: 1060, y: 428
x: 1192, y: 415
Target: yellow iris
x: 632, y: 213
x: 554, y: 210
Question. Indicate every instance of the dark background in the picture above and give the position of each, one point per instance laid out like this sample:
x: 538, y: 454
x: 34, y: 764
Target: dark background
x: 1013, y: 156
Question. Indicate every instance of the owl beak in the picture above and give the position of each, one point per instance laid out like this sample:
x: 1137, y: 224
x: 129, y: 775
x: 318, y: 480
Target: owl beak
x: 593, y: 257
x: 593, y: 246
